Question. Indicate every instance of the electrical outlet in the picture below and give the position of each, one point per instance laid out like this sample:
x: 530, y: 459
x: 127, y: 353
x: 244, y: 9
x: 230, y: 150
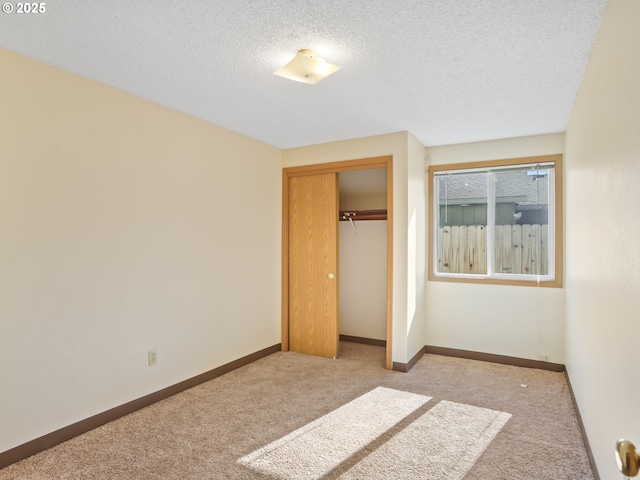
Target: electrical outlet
x: 153, y: 357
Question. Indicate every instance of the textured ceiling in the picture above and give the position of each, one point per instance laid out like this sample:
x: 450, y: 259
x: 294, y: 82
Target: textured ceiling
x: 448, y: 71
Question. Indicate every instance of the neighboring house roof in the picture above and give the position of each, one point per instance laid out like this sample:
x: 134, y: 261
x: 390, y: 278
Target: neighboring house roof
x: 511, y: 186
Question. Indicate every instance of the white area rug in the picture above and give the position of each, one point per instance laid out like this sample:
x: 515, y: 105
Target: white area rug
x: 443, y: 443
x: 320, y: 446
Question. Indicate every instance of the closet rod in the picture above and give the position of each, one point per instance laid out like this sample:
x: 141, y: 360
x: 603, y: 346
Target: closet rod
x: 356, y: 215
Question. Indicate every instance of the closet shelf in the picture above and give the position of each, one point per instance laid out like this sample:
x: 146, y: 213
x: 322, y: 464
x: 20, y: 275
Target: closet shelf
x: 357, y: 215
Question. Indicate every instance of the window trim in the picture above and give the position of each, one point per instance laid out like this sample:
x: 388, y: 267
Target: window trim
x: 558, y: 226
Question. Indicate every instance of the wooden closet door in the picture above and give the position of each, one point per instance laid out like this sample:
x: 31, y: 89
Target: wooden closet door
x: 313, y: 264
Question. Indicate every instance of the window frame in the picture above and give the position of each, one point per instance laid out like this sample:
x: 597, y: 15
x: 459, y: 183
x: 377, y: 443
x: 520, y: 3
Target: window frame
x: 498, y: 279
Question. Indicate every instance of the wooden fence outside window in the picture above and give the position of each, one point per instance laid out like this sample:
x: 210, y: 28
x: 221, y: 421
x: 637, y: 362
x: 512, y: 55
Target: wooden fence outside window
x: 519, y: 249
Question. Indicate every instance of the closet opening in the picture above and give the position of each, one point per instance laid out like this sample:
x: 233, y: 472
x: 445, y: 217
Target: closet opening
x: 354, y: 308
x: 363, y: 256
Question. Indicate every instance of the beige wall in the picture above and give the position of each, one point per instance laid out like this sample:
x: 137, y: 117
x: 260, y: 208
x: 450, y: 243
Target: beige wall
x: 363, y: 279
x: 416, y: 247
x: 524, y: 322
x: 124, y: 226
x: 603, y: 234
x: 363, y: 202
x: 408, y: 158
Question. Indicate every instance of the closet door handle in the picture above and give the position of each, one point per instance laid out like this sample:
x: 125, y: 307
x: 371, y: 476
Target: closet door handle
x: 331, y: 276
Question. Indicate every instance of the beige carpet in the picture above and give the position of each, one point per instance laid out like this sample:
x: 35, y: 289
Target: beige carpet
x: 321, y: 446
x: 445, y: 442
x: 447, y: 418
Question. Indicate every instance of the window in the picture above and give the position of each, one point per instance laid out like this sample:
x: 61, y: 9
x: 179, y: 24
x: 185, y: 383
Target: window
x: 497, y: 222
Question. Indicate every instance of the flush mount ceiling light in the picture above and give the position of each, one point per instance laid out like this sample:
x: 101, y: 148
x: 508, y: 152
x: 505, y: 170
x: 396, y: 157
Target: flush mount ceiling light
x: 306, y: 67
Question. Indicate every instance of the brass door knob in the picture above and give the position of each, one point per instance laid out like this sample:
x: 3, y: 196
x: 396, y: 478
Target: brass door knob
x: 627, y: 458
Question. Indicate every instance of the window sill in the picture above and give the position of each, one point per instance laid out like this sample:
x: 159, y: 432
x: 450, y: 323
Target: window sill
x: 556, y: 283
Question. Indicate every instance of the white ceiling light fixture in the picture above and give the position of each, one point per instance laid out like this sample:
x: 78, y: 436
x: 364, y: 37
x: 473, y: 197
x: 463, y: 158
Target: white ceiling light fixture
x: 306, y: 67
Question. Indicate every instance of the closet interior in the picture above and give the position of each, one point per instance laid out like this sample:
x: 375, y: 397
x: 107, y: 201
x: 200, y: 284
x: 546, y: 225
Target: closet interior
x: 363, y: 255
